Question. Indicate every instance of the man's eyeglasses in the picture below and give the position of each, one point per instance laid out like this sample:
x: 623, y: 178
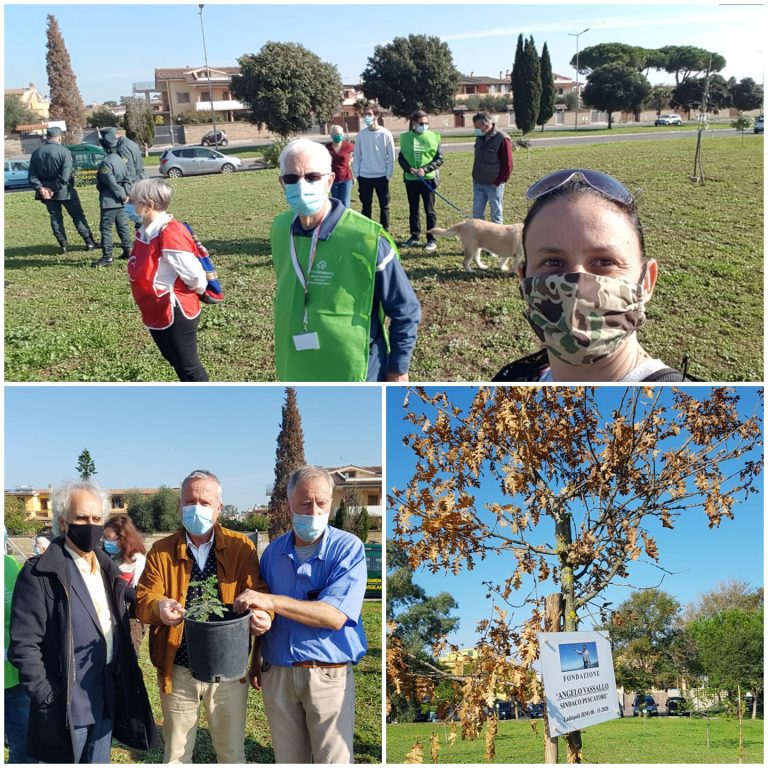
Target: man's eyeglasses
x: 293, y: 178
x: 601, y: 182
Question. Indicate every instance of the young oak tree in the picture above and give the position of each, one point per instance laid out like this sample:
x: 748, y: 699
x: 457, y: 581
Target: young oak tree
x: 580, y: 495
x: 66, y: 101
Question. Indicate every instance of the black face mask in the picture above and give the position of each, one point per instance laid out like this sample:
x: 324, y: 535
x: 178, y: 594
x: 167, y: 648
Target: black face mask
x: 85, y: 537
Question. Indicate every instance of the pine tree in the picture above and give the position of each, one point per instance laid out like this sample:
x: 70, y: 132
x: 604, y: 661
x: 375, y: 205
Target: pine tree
x: 289, y: 457
x: 86, y: 466
x: 66, y: 101
x: 547, y: 102
x: 340, y: 518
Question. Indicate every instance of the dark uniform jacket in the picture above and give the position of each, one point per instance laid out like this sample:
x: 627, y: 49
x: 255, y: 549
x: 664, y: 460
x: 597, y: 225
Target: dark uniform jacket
x: 65, y: 680
x: 51, y: 166
x: 131, y: 152
x: 113, y: 181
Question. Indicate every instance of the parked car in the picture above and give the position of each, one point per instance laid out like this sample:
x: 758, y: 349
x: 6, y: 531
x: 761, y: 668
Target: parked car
x: 536, y: 711
x: 185, y: 161
x: 677, y: 705
x: 645, y: 703
x: 16, y: 172
x: 432, y: 717
x: 758, y: 128
x: 670, y: 119
x: 218, y: 139
x: 503, y: 709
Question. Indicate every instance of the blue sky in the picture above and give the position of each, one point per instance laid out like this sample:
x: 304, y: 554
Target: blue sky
x: 151, y: 436
x: 698, y: 556
x: 113, y: 45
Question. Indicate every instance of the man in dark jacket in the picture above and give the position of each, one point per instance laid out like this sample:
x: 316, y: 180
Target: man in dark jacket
x: 113, y: 180
x: 130, y: 152
x: 71, y: 642
x: 50, y: 174
x: 491, y: 169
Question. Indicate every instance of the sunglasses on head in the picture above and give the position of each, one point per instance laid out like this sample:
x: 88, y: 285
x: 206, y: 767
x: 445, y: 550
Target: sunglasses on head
x: 293, y: 178
x: 601, y: 182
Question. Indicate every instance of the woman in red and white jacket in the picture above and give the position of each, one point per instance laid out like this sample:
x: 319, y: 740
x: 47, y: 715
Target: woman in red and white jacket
x: 167, y: 279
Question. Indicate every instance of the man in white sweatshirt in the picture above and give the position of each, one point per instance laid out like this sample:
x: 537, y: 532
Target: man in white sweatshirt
x: 374, y: 164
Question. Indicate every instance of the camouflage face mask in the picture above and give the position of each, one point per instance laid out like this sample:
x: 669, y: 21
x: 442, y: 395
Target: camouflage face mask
x: 582, y: 318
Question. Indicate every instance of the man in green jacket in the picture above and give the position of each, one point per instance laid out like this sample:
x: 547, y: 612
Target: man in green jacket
x: 50, y: 174
x: 113, y: 182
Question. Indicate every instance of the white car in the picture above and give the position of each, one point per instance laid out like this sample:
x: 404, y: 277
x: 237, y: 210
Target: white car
x: 184, y: 161
x: 671, y: 119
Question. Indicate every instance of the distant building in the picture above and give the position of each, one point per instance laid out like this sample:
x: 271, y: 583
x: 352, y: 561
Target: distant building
x: 460, y: 661
x: 32, y: 99
x: 190, y: 89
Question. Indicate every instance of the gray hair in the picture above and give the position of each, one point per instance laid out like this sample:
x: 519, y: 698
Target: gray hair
x: 320, y: 155
x: 335, y: 129
x: 201, y: 474
x: 62, y: 500
x: 482, y: 117
x: 308, y: 472
x: 155, y: 191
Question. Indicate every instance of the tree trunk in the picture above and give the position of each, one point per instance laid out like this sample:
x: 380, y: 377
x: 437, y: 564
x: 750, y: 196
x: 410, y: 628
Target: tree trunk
x: 553, y: 615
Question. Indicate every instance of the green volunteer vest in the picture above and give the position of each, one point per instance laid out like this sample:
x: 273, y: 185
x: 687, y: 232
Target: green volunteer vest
x: 419, y: 149
x: 11, y: 574
x: 340, y: 299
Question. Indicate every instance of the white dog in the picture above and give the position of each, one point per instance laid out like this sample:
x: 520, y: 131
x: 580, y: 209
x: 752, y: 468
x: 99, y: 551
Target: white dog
x: 502, y: 240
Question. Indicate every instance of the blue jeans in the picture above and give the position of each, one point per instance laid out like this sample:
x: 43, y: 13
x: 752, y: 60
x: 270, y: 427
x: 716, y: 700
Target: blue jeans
x: 93, y: 743
x: 342, y: 190
x: 16, y: 720
x: 487, y: 193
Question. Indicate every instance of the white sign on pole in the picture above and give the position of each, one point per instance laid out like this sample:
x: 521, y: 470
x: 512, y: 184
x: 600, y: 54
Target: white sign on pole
x: 579, y: 683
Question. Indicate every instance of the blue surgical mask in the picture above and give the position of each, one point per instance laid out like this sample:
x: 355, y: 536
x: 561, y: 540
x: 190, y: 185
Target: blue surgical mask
x: 197, y: 519
x: 110, y: 547
x: 478, y: 132
x: 421, y: 127
x: 35, y: 550
x: 368, y: 119
x: 304, y: 198
x: 310, y: 527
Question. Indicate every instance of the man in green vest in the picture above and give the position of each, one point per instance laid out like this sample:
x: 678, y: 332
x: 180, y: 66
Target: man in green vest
x: 50, y: 174
x: 420, y: 158
x: 338, y: 277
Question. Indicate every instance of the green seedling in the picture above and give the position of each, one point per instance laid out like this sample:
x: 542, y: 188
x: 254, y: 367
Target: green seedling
x: 207, y: 602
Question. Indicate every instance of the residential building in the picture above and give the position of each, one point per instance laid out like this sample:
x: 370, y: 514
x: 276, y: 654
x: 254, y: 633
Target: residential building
x: 32, y: 99
x: 480, y: 85
x: 191, y: 89
x: 459, y: 661
x: 359, y: 487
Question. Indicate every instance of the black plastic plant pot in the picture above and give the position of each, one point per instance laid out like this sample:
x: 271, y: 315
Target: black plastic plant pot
x: 218, y: 649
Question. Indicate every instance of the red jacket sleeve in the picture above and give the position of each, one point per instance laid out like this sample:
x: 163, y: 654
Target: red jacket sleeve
x: 505, y: 160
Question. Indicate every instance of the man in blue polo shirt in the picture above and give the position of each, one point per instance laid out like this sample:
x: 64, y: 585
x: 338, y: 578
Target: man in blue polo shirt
x: 317, y: 578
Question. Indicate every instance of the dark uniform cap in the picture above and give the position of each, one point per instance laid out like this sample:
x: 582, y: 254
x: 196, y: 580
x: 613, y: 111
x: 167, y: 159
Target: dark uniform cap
x: 108, y: 140
x: 54, y: 130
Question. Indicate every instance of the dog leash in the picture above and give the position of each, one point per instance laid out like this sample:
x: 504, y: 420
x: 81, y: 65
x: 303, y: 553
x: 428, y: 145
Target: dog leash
x: 443, y: 198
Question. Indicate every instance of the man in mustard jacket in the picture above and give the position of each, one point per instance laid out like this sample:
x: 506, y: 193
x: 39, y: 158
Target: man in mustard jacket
x: 202, y: 548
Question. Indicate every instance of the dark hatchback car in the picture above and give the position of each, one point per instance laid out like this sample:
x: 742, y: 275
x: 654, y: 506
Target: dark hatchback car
x: 645, y: 703
x: 677, y: 706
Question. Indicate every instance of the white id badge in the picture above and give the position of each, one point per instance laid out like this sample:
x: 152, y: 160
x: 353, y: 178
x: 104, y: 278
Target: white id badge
x: 304, y: 341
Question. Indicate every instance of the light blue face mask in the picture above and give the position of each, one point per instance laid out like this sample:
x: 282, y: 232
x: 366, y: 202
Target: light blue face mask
x: 368, y: 119
x: 304, y: 198
x: 421, y: 127
x: 110, y: 547
x: 310, y: 527
x: 478, y: 132
x: 197, y: 519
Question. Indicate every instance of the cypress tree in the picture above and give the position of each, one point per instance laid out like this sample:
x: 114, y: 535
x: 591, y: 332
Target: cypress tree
x: 340, y: 518
x: 547, y: 103
x: 66, y: 101
x: 289, y: 457
x: 517, y: 72
x: 528, y: 103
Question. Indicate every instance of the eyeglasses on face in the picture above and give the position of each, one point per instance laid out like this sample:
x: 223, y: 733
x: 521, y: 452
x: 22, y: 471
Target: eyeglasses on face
x: 293, y: 178
x: 601, y: 182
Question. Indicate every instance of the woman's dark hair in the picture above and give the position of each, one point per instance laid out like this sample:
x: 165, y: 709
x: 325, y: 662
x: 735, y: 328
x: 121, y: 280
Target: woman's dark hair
x: 416, y: 116
x: 131, y: 540
x: 577, y: 187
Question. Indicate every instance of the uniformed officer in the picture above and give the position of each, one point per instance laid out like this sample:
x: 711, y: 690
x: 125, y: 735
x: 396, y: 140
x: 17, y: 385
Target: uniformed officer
x: 113, y: 183
x: 130, y: 152
x: 50, y: 174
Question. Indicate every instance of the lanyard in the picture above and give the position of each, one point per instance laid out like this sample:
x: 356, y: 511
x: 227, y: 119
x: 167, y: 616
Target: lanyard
x: 303, y: 279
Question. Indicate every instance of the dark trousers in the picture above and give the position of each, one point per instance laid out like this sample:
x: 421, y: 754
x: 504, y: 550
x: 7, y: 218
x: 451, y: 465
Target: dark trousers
x: 418, y: 191
x: 16, y: 721
x: 93, y: 743
x: 178, y: 345
x: 76, y: 213
x: 114, y: 217
x: 365, y: 188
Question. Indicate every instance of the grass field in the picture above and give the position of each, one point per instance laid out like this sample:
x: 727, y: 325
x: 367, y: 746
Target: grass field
x: 656, y: 740
x: 258, y: 747
x: 67, y: 322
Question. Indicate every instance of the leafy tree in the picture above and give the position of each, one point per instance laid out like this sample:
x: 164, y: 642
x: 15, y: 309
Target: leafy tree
x: 686, y: 62
x: 659, y: 98
x: 256, y: 522
x: 579, y: 495
x: 484, y: 103
x: 16, y: 113
x: 728, y: 595
x: 286, y: 87
x: 746, y: 94
x: 66, y: 101
x: 570, y: 99
x: 101, y: 117
x: 547, y: 102
x: 139, y: 508
x: 616, y: 88
x: 597, y: 56
x: 340, y: 518
x: 742, y: 123
x: 410, y: 73
x: 526, y: 77
x: 363, y: 524
x: 289, y: 457
x: 15, y: 517
x: 86, y: 466
x: 165, y: 509
x: 139, y: 125
x: 690, y: 94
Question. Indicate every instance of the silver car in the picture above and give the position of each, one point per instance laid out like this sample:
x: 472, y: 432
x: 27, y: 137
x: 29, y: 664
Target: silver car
x: 186, y: 161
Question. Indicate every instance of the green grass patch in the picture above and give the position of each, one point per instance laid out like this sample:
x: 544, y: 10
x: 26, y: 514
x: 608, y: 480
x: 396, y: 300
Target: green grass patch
x: 68, y: 322
x: 628, y: 740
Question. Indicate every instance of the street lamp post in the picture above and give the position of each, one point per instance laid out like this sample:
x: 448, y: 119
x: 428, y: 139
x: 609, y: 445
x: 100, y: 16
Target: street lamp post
x: 577, y: 35
x: 208, y: 73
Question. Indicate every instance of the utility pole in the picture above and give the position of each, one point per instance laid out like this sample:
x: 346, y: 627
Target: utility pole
x: 577, y: 35
x: 208, y: 73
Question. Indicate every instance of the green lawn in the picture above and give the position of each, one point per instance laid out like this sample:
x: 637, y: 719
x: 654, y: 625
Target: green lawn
x: 67, y: 322
x: 656, y: 740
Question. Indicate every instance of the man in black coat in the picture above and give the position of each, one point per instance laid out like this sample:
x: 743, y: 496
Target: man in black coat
x: 71, y: 642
